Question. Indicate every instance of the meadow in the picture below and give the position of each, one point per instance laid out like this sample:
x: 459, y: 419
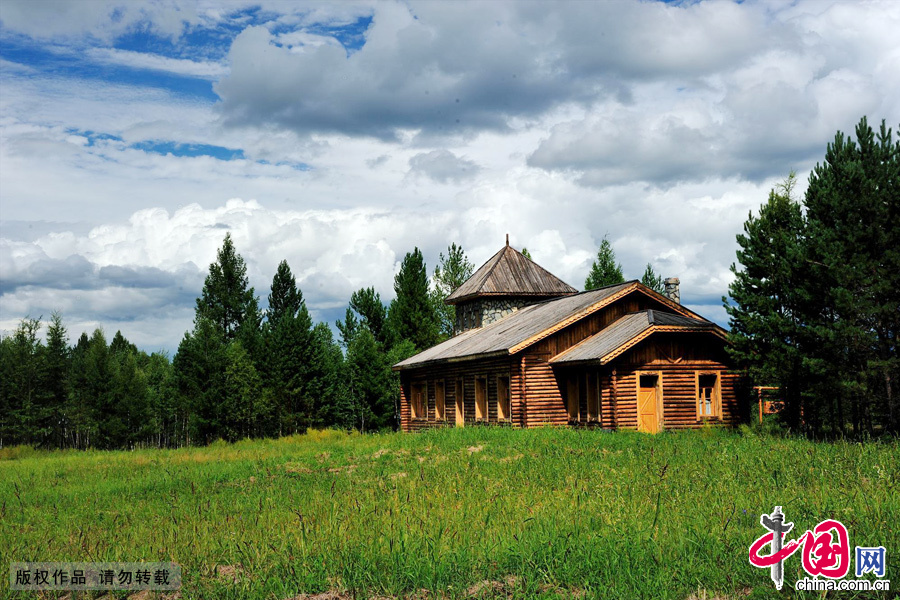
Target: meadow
x: 454, y: 513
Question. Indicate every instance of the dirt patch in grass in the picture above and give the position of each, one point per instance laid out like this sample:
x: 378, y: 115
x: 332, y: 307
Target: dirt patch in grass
x: 706, y: 595
x: 296, y: 468
x: 507, y: 459
x: 347, y: 468
x: 329, y: 595
x: 493, y: 589
x: 230, y: 573
x: 380, y: 453
x: 474, y: 449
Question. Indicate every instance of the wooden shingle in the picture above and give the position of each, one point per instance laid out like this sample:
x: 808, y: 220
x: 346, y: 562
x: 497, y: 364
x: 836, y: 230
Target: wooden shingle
x: 510, y: 273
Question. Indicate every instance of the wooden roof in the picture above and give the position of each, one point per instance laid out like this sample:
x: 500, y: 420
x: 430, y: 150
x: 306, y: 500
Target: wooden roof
x: 510, y: 273
x: 628, y: 331
x: 520, y: 329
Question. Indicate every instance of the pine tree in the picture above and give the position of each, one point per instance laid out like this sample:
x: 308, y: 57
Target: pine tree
x: 348, y: 327
x: 450, y: 273
x: 326, y: 381
x: 652, y: 280
x: 166, y: 414
x: 246, y: 409
x: 287, y: 336
x: 370, y: 382
x: 768, y: 299
x: 81, y: 410
x: 57, y: 373
x: 853, y: 213
x: 366, y: 302
x: 98, y: 382
x: 126, y: 419
x: 199, y: 368
x: 605, y: 271
x: 25, y: 398
x: 285, y: 299
x: 411, y: 315
x: 227, y: 300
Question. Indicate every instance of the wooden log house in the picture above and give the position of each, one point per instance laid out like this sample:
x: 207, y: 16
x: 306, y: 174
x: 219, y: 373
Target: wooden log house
x: 530, y: 350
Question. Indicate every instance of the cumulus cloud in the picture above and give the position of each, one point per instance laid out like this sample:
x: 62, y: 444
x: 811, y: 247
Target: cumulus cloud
x: 428, y: 67
x: 442, y: 166
x: 129, y: 275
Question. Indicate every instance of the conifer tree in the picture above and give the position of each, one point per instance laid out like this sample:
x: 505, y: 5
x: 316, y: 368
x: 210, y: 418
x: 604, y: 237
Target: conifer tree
x: 287, y: 335
x: 767, y: 311
x: 57, y: 373
x: 370, y: 383
x: 227, y: 300
x: 81, y: 409
x: 605, y: 270
x: 326, y: 382
x: 348, y: 327
x: 23, y: 385
x: 652, y: 280
x: 450, y: 273
x: 411, y: 315
x: 199, y: 368
x: 246, y: 411
x: 366, y: 302
x: 125, y: 419
x: 853, y: 214
x: 166, y: 414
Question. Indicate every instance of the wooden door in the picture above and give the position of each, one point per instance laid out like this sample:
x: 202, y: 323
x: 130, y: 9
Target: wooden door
x: 481, y: 392
x: 648, y: 412
x: 460, y: 415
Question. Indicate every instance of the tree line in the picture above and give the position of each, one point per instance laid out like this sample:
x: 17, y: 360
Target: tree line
x: 239, y: 372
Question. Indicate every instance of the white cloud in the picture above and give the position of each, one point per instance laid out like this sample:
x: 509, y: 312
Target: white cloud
x: 103, y: 19
x: 156, y: 62
x: 442, y: 166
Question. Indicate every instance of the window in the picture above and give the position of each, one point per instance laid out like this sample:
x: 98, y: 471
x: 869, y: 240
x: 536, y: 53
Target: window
x: 593, y: 397
x: 418, y: 402
x: 572, y: 399
x: 481, y: 399
x: 503, y: 398
x: 708, y: 404
x: 439, y: 413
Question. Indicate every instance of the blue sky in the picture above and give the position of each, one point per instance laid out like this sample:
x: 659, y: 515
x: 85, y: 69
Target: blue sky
x: 338, y: 136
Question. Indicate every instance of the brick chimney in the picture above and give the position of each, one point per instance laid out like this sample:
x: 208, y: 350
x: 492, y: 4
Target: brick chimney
x: 673, y: 292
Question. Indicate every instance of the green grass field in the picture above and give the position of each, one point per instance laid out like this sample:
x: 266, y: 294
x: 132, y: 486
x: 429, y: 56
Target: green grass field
x: 453, y: 513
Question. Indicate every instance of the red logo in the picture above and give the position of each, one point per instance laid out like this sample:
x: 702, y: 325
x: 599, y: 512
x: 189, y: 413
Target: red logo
x: 826, y: 549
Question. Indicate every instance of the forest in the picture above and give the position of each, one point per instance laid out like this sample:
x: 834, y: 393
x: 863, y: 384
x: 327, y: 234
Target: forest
x: 813, y: 311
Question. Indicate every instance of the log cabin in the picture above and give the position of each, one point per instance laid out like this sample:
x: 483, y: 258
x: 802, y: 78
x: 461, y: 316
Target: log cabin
x: 530, y: 350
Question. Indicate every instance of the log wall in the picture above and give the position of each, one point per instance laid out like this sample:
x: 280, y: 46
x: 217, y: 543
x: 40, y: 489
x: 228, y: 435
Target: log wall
x: 679, y: 358
x: 450, y: 373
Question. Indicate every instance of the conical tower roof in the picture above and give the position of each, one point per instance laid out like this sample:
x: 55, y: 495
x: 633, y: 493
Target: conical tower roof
x: 511, y: 273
